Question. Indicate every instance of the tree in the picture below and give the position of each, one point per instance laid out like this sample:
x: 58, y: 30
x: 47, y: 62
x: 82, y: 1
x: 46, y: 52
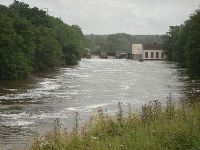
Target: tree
x: 31, y: 40
x: 34, y: 15
x: 49, y: 52
x: 72, y: 41
x: 26, y: 31
x: 181, y: 44
x: 174, y: 44
x: 193, y: 46
x: 13, y: 63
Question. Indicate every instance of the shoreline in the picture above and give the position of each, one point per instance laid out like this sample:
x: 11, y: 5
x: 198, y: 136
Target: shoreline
x: 154, y: 127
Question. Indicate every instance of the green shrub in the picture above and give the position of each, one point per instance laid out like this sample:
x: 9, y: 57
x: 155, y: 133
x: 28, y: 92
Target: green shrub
x: 155, y: 127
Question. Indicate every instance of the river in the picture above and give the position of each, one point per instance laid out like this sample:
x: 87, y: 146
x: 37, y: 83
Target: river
x: 29, y: 108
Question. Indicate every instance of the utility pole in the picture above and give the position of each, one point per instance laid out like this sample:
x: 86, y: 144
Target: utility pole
x: 47, y: 10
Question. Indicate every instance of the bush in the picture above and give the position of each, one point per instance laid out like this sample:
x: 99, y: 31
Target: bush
x: 154, y: 128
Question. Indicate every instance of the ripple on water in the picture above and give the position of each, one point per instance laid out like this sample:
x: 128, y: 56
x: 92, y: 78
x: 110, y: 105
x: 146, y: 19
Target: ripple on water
x: 86, y: 108
x: 31, y: 96
x: 92, y: 84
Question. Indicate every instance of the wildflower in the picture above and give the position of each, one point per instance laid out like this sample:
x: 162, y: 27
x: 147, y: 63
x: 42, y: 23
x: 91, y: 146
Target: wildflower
x: 44, y: 144
x: 122, y: 146
x: 153, y: 131
x: 94, y: 138
x: 109, y: 145
x: 173, y: 136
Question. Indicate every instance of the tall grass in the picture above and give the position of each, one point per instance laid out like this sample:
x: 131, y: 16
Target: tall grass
x: 154, y: 128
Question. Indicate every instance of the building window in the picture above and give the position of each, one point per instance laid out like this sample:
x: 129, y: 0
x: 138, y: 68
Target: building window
x: 157, y: 54
x: 146, y: 54
x: 162, y: 55
x: 152, y: 54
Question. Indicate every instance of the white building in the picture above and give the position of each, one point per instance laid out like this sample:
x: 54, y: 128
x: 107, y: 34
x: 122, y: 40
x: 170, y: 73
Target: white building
x: 147, y: 52
x: 137, y: 50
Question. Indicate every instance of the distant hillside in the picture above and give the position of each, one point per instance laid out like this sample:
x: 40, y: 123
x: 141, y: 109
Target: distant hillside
x: 120, y: 42
x: 96, y: 42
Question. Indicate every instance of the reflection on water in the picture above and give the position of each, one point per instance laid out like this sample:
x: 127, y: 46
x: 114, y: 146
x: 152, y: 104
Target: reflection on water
x: 29, y: 108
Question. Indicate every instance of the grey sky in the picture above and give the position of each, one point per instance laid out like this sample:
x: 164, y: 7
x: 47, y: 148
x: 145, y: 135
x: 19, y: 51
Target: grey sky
x: 117, y: 16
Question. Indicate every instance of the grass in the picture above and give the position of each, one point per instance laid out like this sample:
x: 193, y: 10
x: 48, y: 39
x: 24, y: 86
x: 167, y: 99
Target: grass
x: 154, y: 128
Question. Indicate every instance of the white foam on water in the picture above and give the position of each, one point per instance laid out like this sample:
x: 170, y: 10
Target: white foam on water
x: 71, y: 74
x: 75, y: 92
x: 84, y: 76
x: 72, y: 108
x: 73, y: 86
x: 61, y: 114
x: 97, y: 105
x: 48, y: 84
x: 12, y: 90
x: 18, y: 123
x: 87, y: 108
x: 16, y: 119
x: 15, y: 116
x: 124, y: 87
x: 45, y: 88
x: 30, y: 95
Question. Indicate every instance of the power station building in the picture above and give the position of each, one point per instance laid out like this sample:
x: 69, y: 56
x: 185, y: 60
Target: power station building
x: 147, y: 52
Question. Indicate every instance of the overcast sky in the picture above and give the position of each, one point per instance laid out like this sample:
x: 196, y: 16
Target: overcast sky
x: 119, y: 16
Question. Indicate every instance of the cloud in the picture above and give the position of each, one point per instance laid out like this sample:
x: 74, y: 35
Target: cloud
x: 114, y: 16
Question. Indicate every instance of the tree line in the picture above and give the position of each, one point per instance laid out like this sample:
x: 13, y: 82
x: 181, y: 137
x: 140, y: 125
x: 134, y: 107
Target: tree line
x: 182, y: 44
x: 31, y: 41
x: 120, y: 42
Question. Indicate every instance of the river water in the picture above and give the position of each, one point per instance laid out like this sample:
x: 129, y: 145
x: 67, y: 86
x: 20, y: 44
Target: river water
x: 29, y: 108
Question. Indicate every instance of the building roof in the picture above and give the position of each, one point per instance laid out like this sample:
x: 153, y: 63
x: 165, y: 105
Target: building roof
x: 154, y: 46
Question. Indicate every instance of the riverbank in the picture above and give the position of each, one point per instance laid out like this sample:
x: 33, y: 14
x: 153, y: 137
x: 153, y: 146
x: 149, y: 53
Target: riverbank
x: 154, y: 127
x: 39, y: 36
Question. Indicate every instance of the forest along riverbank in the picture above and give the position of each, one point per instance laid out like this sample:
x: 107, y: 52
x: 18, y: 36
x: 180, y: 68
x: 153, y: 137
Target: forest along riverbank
x: 29, y: 108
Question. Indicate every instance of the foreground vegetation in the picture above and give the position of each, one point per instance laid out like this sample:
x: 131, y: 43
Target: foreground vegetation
x: 31, y: 40
x: 181, y: 44
x: 154, y: 128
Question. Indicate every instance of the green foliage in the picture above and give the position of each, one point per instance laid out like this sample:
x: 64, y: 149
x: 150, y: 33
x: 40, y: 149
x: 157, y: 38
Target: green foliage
x: 48, y: 53
x: 13, y: 63
x: 181, y: 44
x: 192, y: 45
x: 96, y: 42
x: 120, y: 42
x: 72, y: 41
x: 174, y: 44
x: 154, y: 128
x: 34, y: 15
x: 25, y: 30
x: 31, y: 40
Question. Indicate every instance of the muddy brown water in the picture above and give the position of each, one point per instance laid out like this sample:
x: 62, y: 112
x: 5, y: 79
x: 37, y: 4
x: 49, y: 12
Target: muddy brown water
x: 29, y: 108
